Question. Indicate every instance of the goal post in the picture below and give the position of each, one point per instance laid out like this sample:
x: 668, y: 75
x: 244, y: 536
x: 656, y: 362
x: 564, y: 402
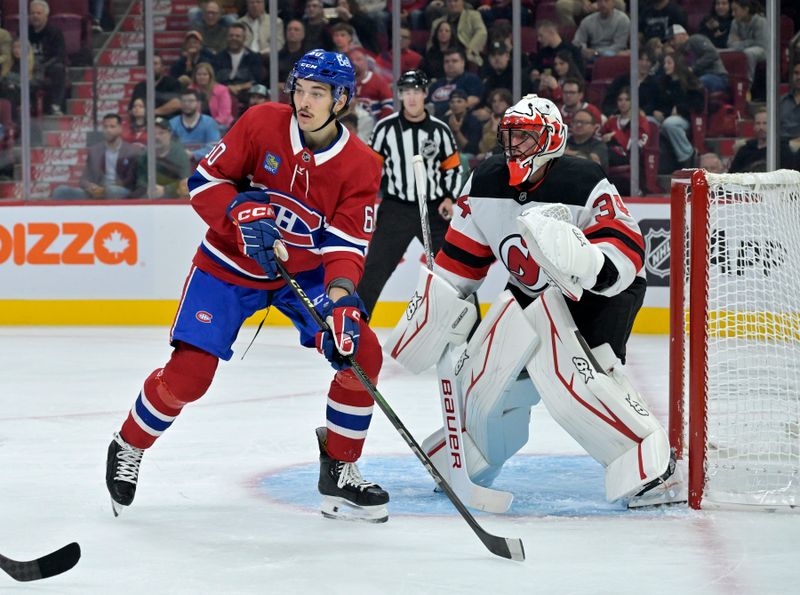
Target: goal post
x: 735, y: 337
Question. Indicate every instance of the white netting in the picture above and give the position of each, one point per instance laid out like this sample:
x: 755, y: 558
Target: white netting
x: 753, y: 349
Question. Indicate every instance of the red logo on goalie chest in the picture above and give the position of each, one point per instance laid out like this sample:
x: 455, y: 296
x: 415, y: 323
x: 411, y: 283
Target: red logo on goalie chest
x: 520, y: 263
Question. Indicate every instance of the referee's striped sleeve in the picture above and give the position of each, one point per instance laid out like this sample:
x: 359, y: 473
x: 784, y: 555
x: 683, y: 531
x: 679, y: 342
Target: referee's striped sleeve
x: 450, y: 180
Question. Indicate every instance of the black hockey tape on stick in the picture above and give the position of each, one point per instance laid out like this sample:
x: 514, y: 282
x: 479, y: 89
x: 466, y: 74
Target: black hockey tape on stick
x: 504, y: 547
x: 50, y: 565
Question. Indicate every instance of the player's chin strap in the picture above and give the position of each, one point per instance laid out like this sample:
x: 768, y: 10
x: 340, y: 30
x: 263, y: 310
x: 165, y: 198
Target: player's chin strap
x: 330, y: 119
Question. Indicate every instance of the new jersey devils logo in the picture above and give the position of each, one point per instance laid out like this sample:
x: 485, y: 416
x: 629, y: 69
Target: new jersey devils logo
x: 520, y: 263
x: 298, y: 223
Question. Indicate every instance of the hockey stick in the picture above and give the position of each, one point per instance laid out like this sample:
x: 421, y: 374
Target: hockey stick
x: 510, y: 548
x: 479, y: 497
x: 50, y: 565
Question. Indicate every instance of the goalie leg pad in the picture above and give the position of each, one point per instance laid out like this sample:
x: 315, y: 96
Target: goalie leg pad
x: 479, y: 469
x: 604, y: 414
x: 497, y: 404
x: 435, y: 317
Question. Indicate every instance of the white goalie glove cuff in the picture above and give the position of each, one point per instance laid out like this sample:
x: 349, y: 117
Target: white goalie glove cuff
x: 563, y: 245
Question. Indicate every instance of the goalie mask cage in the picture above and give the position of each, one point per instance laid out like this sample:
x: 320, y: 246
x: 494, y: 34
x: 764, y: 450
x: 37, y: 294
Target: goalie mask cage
x: 735, y: 337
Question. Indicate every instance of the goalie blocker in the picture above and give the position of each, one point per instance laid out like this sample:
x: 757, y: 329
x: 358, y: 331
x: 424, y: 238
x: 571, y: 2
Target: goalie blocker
x: 583, y: 389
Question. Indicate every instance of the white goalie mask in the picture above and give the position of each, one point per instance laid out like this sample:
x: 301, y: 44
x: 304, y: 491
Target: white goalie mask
x: 531, y: 133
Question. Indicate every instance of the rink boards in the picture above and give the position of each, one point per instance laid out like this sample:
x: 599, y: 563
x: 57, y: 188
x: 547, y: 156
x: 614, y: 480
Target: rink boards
x: 124, y: 263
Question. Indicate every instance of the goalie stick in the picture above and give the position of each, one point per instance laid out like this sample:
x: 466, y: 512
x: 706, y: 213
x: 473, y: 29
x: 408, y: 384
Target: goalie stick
x: 475, y: 496
x: 50, y: 565
x: 504, y: 547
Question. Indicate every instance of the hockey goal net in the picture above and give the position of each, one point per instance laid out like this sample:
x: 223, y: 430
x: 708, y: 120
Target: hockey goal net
x: 735, y: 337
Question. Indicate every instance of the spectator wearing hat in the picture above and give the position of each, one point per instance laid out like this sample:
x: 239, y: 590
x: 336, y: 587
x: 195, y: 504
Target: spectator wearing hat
x: 701, y: 56
x: 455, y: 77
x: 658, y: 16
x: 212, y: 27
x: 197, y: 131
x: 193, y: 53
x: 237, y: 66
x: 258, y: 95
x: 497, y: 71
x: 467, y: 130
x: 259, y: 27
x: 468, y: 28
x: 172, y: 166
x: 604, y: 33
x: 167, y: 88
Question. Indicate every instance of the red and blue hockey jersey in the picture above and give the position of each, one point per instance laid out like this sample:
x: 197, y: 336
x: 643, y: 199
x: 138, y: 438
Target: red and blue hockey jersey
x: 324, y: 200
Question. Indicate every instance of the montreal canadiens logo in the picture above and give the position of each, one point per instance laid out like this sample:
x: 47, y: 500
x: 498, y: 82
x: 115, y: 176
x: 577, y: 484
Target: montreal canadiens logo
x: 298, y: 223
x: 520, y: 263
x: 204, y: 317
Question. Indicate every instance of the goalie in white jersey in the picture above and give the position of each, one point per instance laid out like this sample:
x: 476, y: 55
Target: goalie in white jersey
x: 558, y: 333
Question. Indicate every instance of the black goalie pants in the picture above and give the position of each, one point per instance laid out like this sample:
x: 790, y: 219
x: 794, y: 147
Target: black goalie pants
x: 398, y: 223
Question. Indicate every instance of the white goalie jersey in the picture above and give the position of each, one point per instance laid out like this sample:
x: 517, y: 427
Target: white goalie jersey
x: 484, y: 226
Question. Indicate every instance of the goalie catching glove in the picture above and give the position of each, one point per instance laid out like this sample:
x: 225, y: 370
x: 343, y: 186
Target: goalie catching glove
x: 570, y: 260
x: 343, y: 317
x: 259, y: 237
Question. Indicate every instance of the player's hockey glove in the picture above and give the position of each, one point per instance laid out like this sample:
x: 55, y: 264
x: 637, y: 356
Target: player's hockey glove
x: 259, y: 237
x: 343, y: 317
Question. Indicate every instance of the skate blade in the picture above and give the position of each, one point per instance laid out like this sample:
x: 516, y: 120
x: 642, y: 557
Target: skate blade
x: 342, y: 509
x: 672, y: 493
x: 117, y: 508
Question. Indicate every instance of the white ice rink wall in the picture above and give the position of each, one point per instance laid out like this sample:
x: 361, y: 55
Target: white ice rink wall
x: 124, y: 262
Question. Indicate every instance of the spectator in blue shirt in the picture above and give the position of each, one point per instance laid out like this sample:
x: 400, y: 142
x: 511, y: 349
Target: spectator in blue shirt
x: 455, y: 77
x: 197, y: 131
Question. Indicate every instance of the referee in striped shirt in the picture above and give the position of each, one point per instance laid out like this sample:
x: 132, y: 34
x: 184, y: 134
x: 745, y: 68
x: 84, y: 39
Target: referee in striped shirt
x: 396, y: 139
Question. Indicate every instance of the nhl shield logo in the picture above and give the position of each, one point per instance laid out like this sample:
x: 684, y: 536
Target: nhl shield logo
x: 271, y: 163
x: 656, y: 261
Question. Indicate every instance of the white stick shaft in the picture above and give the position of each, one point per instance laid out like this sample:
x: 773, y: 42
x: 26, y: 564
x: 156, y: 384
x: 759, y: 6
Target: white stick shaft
x: 422, y: 199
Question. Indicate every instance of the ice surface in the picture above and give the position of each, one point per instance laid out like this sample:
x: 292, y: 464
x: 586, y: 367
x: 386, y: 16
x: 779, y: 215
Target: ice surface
x: 226, y: 501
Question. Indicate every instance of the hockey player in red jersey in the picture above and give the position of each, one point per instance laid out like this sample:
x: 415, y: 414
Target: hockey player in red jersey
x: 287, y: 182
x: 574, y: 256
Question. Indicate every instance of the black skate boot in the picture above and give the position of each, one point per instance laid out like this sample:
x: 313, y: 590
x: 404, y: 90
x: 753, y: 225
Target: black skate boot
x: 346, y: 495
x: 669, y: 488
x: 122, y: 472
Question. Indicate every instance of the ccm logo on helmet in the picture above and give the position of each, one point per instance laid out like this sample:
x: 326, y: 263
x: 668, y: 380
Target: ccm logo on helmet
x: 253, y: 213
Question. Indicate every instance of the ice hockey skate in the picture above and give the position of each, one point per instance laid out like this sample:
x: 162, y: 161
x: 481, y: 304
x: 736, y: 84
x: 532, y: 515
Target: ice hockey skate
x: 122, y: 472
x: 345, y: 494
x: 670, y: 488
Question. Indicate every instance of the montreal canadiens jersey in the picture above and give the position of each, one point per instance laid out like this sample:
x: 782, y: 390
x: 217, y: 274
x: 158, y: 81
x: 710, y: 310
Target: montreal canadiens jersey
x: 484, y: 229
x: 324, y: 201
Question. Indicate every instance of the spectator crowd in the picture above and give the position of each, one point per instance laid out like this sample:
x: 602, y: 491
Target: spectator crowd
x: 464, y: 48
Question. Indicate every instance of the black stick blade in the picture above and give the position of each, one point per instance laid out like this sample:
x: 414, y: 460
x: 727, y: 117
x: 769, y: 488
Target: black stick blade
x: 50, y: 565
x: 505, y: 547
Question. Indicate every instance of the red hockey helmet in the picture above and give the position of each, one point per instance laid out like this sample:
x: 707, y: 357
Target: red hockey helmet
x: 531, y: 133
